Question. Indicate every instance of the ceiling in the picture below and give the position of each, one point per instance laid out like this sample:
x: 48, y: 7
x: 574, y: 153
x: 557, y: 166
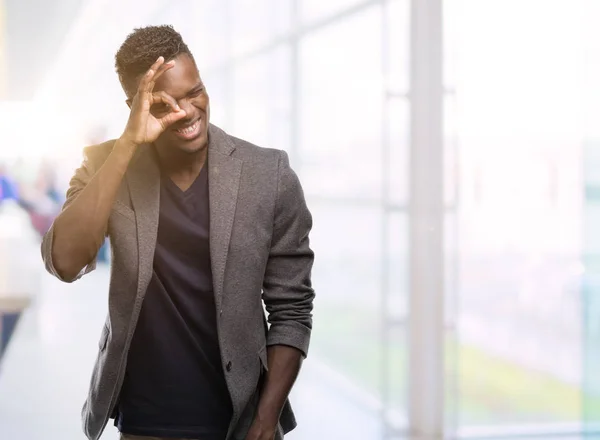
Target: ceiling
x: 35, y: 30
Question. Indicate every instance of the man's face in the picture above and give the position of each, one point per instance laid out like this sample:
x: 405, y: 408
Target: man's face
x: 183, y: 83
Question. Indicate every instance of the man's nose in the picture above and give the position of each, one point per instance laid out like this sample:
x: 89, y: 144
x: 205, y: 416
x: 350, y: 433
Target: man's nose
x: 186, y: 105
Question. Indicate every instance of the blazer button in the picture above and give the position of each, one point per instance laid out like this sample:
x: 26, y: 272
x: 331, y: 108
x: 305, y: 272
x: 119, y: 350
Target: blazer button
x: 228, y: 366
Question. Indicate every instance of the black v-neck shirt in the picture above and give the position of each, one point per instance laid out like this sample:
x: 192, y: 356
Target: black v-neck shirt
x: 174, y: 383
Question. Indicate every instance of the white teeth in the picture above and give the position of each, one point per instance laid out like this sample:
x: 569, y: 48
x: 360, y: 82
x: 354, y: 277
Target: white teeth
x: 189, y: 129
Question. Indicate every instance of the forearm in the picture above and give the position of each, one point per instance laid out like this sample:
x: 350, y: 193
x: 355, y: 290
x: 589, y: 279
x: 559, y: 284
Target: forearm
x: 79, y: 230
x: 284, y: 365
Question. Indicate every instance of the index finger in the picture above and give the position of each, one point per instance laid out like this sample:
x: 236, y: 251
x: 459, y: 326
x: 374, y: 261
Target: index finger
x: 162, y: 69
x: 147, y: 78
x: 165, y: 98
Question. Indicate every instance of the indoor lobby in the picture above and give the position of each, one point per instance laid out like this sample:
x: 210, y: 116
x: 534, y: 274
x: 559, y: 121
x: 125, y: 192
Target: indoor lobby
x: 449, y: 153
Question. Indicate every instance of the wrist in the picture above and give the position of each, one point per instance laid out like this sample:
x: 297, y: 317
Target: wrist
x: 267, y: 417
x: 126, y: 144
x: 122, y: 152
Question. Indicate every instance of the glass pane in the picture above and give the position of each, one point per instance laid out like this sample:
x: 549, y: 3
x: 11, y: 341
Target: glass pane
x: 217, y: 85
x: 397, y: 15
x: 255, y: 23
x: 311, y: 10
x: 399, y: 138
x: 451, y: 151
x: 396, y: 266
x: 590, y: 296
x: 590, y: 271
x: 394, y: 314
x: 520, y: 214
x: 451, y: 268
x: 396, y: 384
x: 341, y: 108
x: 349, y: 276
x: 453, y: 11
x: 451, y: 365
x: 261, y: 99
x: 207, y: 32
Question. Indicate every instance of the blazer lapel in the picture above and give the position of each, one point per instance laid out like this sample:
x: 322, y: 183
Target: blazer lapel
x: 143, y: 179
x: 223, y: 184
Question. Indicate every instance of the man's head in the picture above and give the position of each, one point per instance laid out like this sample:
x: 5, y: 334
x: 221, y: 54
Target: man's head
x: 137, y: 54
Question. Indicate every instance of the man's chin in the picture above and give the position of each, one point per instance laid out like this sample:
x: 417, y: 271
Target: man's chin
x: 193, y: 146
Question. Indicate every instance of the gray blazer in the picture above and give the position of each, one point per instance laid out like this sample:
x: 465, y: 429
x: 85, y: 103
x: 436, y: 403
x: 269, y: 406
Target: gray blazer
x: 259, y: 243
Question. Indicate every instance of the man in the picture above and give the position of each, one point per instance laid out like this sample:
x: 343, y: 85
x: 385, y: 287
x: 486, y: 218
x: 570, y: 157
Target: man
x: 202, y: 227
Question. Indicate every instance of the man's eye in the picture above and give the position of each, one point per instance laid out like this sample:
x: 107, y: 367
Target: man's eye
x: 159, y: 108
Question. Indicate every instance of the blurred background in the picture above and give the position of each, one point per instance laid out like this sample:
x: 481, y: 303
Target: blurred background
x: 450, y: 154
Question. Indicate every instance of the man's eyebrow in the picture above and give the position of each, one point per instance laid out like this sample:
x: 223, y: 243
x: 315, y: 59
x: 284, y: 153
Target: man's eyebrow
x: 197, y: 87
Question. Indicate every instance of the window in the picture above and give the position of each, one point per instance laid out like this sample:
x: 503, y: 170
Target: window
x: 341, y: 108
x: 518, y: 344
x: 361, y: 241
x: 256, y: 23
x: 262, y: 99
x: 312, y: 10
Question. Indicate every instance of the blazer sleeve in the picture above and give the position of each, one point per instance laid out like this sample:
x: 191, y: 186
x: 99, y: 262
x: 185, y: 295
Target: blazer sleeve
x: 80, y: 179
x: 287, y: 290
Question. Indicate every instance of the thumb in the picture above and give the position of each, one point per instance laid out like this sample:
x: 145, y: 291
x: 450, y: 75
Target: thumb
x: 171, y: 118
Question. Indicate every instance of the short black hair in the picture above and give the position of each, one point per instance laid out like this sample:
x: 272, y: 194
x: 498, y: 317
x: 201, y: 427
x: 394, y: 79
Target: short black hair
x: 142, y: 48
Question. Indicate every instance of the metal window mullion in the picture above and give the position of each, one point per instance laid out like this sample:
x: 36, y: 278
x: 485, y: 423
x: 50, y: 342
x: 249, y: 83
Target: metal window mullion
x: 295, y: 96
x: 3, y: 52
x: 387, y: 429
x: 228, y: 69
x: 297, y: 32
x: 426, y: 225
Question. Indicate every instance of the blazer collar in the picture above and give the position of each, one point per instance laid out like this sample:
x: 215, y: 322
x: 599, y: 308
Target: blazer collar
x: 224, y: 173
